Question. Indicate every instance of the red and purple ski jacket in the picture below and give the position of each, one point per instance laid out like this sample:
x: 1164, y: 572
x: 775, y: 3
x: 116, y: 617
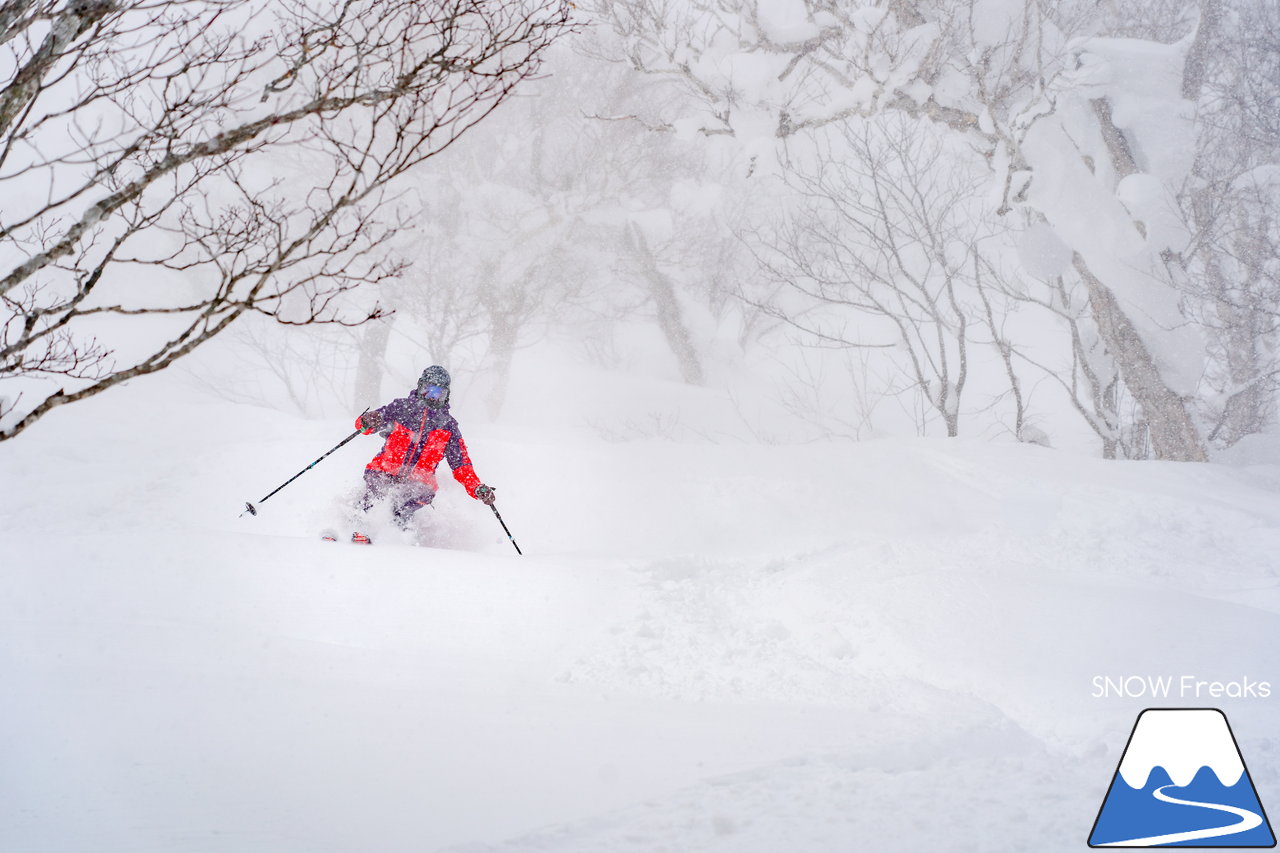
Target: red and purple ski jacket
x: 420, y: 437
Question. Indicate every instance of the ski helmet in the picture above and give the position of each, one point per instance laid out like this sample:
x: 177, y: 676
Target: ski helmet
x: 434, y: 384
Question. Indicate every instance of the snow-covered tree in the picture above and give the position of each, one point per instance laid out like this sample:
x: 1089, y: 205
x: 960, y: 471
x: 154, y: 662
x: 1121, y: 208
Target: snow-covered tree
x: 1088, y: 130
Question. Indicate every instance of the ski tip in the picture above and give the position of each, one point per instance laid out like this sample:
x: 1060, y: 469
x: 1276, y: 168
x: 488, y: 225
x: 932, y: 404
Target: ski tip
x: 358, y: 538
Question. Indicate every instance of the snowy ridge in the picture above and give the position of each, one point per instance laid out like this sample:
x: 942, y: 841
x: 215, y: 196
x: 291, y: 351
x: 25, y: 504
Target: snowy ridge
x: 1181, y: 741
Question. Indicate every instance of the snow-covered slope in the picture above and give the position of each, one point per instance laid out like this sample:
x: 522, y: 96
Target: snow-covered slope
x: 879, y: 646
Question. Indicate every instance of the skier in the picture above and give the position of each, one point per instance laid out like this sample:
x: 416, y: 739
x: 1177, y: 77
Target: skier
x: 419, y: 432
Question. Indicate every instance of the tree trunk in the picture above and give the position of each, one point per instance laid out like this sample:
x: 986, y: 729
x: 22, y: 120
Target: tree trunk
x: 670, y: 320
x: 367, y: 390
x: 1173, y: 434
x: 1196, y: 67
x: 504, y: 332
x: 1111, y: 444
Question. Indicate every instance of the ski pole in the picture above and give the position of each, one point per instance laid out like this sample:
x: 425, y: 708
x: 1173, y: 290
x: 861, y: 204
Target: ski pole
x: 504, y: 527
x: 252, y: 510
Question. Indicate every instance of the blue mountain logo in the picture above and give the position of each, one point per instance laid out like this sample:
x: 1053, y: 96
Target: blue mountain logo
x: 1182, y: 783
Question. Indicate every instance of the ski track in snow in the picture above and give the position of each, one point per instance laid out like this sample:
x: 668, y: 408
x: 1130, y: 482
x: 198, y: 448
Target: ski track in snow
x: 880, y: 646
x: 1247, y: 820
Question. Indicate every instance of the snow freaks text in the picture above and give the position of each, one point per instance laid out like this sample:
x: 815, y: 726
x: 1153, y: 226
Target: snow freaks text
x: 1177, y: 687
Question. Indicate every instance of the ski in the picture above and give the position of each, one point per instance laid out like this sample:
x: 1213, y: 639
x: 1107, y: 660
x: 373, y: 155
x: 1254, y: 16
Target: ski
x: 357, y: 538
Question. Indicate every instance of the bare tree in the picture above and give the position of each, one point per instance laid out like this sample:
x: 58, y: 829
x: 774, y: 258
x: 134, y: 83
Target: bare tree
x: 1089, y: 377
x: 265, y: 364
x: 1232, y: 200
x: 168, y: 166
x: 994, y: 316
x: 541, y: 232
x: 879, y: 254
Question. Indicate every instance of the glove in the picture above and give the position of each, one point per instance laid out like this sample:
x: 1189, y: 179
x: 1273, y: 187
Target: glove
x: 370, y: 421
x: 486, y: 494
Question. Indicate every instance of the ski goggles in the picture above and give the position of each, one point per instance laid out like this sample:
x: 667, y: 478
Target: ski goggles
x: 434, y: 392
